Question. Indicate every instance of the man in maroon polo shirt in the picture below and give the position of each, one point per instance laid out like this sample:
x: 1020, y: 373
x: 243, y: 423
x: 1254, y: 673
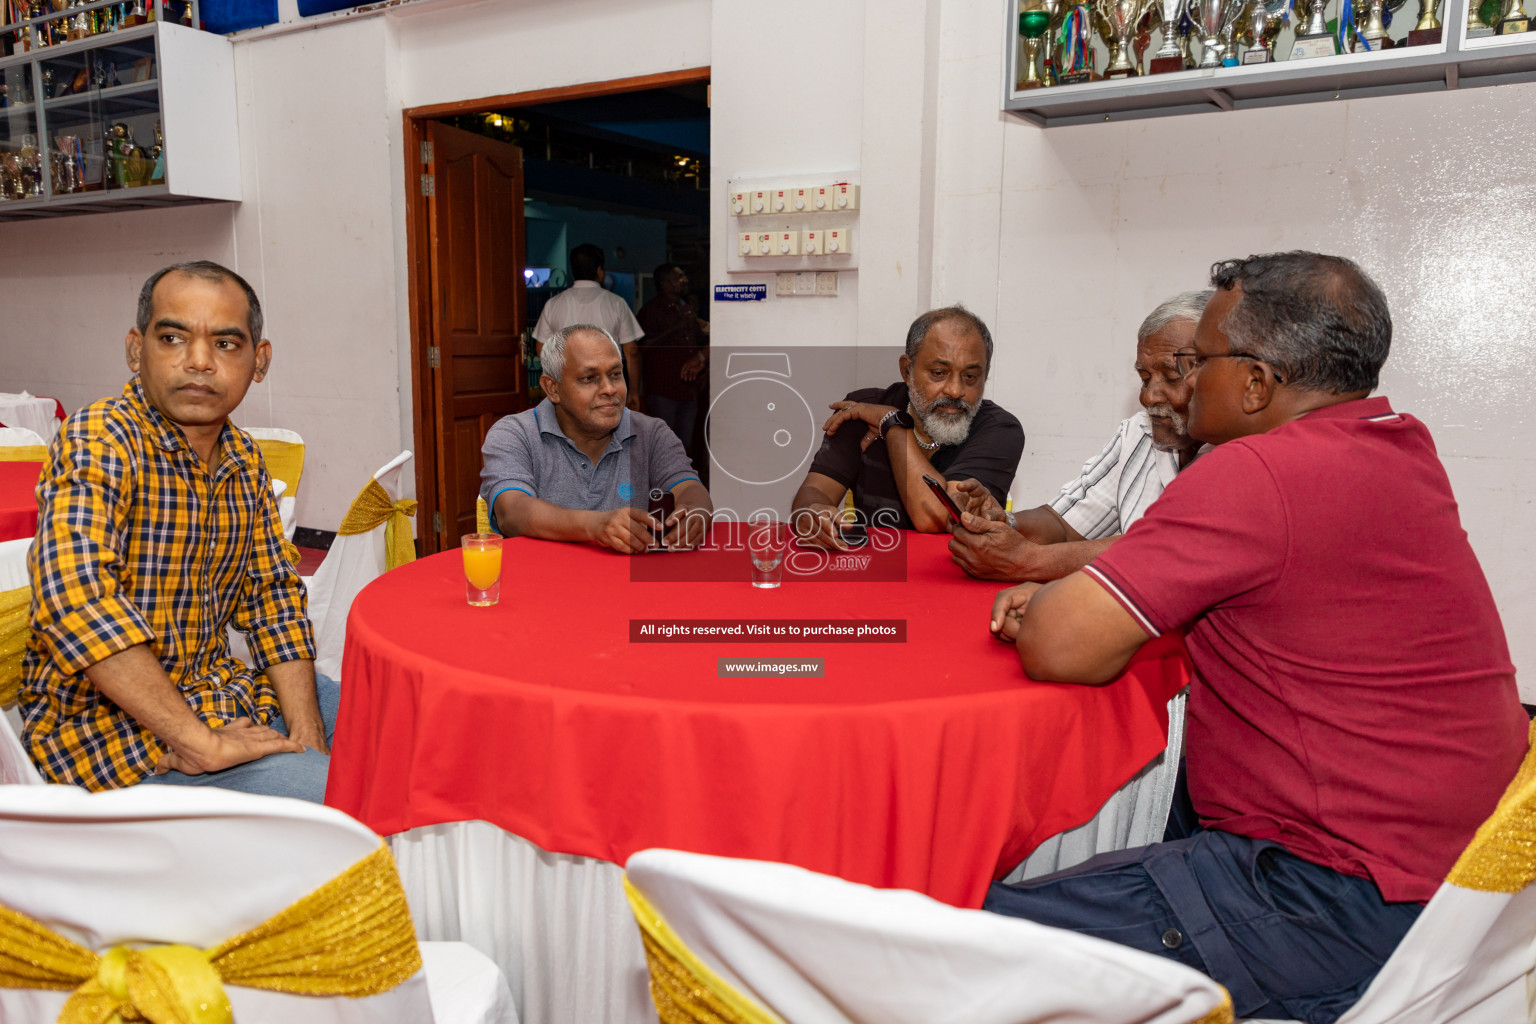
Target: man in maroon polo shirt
x: 1354, y: 715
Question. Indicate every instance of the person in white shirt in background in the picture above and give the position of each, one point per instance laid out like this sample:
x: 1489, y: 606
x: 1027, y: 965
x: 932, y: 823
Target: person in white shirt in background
x: 587, y: 302
x: 1115, y: 487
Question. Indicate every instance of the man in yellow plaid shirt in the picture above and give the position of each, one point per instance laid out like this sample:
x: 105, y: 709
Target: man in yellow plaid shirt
x: 157, y: 532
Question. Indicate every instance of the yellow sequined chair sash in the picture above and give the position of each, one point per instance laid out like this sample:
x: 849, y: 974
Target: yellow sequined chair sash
x: 285, y: 462
x: 482, y: 516
x: 14, y: 633
x: 372, y: 507
x: 351, y: 937
x: 1502, y: 856
x: 23, y: 453
x: 683, y: 987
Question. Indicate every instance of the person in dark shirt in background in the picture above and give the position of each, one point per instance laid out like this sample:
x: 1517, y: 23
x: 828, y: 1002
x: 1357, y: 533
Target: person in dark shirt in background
x: 673, y: 353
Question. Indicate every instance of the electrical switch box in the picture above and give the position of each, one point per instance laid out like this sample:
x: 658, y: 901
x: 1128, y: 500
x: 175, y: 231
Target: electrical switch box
x: 739, y: 203
x: 838, y: 241
x: 810, y: 242
x: 758, y: 202
x: 845, y: 197
x: 766, y: 243
x: 786, y: 243
x: 821, y: 199
x: 801, y: 199
x: 780, y: 199
x: 745, y: 243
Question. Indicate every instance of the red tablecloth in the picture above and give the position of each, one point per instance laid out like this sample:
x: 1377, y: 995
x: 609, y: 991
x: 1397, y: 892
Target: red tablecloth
x: 18, y: 504
x: 931, y: 764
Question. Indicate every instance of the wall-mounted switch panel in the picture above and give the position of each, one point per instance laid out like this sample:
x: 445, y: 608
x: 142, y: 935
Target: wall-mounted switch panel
x: 838, y: 241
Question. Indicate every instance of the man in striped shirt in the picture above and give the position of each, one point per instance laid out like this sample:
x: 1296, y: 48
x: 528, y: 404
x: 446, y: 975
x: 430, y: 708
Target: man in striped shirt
x: 158, y: 532
x: 1116, y: 486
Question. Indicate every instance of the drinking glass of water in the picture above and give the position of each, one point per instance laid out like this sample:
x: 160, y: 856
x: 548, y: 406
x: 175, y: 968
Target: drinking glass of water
x: 768, y: 542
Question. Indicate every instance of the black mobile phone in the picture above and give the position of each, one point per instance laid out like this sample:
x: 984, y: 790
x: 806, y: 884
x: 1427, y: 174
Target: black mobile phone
x: 660, y: 507
x: 855, y: 535
x: 943, y: 496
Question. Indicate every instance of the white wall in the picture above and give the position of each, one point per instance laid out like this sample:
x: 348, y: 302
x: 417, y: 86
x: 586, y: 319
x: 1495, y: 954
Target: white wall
x: 1062, y: 239
x: 1070, y: 235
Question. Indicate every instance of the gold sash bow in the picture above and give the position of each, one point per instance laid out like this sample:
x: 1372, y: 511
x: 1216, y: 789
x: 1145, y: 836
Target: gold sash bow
x: 14, y: 631
x: 372, y: 507
x: 23, y: 453
x: 350, y: 937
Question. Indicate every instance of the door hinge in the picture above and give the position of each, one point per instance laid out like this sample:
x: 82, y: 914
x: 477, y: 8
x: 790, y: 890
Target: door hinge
x: 434, y: 357
x: 437, y: 522
x: 428, y: 185
x: 426, y: 152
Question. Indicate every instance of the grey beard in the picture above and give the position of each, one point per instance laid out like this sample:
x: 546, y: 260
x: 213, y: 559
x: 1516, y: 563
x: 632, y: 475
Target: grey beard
x: 1179, y: 423
x: 940, y: 428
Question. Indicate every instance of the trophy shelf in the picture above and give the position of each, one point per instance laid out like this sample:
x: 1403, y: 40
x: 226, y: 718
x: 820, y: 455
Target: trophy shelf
x: 1454, y: 62
x: 143, y: 116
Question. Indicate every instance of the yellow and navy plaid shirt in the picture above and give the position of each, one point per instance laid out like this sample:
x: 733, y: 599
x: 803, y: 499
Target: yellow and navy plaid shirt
x: 139, y: 543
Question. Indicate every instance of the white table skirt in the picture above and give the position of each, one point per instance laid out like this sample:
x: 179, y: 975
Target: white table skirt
x: 560, y: 928
x: 39, y: 415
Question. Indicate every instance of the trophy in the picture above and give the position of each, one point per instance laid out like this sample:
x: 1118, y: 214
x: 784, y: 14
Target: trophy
x: 1514, y: 19
x: 1313, y: 38
x: 1376, y: 15
x: 1214, y: 19
x: 1119, y: 21
x: 1168, y: 58
x: 1265, y: 20
x: 1231, y: 30
x: 1034, y: 23
x: 1427, y: 31
x: 1076, y: 46
x: 1476, y: 26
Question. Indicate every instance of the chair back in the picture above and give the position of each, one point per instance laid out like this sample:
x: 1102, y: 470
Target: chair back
x: 18, y: 444
x: 283, y: 452
x: 15, y: 610
x: 770, y: 942
x: 1470, y: 958
x: 354, y: 561
x: 152, y: 865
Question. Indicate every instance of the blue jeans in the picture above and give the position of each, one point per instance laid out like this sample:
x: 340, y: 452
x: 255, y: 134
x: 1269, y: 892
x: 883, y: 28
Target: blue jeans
x: 296, y: 775
x: 1288, y: 938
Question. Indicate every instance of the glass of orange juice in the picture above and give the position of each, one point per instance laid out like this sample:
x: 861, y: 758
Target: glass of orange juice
x: 482, y: 567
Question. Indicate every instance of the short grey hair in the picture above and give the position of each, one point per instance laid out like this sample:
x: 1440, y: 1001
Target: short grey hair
x: 1183, y: 306
x: 552, y: 357
x: 1319, y: 320
x: 957, y: 313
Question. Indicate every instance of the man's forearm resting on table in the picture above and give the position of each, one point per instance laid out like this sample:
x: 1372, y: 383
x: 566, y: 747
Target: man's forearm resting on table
x: 909, y: 465
x: 522, y: 515
x: 135, y: 681
x: 1044, y: 525
x: 1073, y: 631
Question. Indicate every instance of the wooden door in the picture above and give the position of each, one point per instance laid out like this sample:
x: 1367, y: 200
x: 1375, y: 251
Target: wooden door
x: 478, y: 302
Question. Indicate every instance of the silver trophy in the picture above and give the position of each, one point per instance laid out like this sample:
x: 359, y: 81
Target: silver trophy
x: 1265, y: 20
x: 1312, y: 38
x: 1374, y: 30
x: 1170, y: 11
x: 1119, y: 21
x: 1214, y: 19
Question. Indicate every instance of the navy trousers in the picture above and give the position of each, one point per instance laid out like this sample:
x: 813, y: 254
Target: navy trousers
x: 1288, y: 938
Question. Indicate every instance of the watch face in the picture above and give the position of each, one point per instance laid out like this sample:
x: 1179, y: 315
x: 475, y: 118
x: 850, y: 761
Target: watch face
x: 904, y: 419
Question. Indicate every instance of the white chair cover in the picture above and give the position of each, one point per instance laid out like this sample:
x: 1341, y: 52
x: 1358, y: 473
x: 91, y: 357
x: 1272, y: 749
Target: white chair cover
x: 15, y: 766
x: 352, y: 563
x: 39, y: 415
x: 819, y: 950
x: 20, y: 437
x: 170, y: 864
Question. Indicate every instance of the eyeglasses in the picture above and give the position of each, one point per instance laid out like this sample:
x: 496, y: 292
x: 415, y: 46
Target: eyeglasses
x: 1190, y: 362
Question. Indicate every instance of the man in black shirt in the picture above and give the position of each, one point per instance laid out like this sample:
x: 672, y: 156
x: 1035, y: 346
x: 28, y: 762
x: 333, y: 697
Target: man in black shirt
x: 881, y: 442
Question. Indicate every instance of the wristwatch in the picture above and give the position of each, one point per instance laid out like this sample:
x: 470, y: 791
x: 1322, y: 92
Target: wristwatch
x: 896, y: 417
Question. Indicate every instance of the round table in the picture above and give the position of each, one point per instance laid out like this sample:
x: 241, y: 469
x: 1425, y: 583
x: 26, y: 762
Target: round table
x: 18, y: 503
x: 930, y: 764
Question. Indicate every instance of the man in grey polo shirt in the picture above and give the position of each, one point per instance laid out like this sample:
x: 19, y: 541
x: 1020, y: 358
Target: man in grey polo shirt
x: 580, y: 466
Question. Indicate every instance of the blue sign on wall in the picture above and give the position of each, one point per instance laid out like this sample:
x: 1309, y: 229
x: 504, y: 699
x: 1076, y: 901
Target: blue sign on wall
x: 741, y: 292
